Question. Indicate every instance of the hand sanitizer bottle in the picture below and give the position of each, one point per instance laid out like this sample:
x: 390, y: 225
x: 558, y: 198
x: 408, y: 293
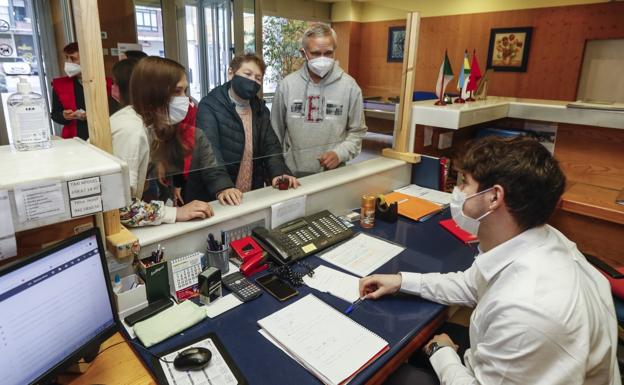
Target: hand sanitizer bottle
x: 30, y: 122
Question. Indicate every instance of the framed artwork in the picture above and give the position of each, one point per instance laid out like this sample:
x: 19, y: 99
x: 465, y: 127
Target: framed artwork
x: 509, y: 49
x: 396, y: 41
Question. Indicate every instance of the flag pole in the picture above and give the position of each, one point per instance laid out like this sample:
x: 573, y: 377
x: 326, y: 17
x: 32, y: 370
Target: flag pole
x: 470, y: 98
x: 440, y: 101
x: 460, y: 99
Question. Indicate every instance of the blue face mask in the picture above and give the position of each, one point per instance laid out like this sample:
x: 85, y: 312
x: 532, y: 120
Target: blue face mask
x: 245, y: 88
x: 466, y: 223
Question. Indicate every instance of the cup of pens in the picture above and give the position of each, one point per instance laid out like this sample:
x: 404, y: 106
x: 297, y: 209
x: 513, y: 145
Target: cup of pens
x: 218, y: 255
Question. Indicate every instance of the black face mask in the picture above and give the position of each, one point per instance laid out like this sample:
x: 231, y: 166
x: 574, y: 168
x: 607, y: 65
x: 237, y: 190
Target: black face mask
x: 245, y: 88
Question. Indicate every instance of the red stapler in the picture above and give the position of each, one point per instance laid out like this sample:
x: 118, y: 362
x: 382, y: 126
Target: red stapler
x: 253, y: 258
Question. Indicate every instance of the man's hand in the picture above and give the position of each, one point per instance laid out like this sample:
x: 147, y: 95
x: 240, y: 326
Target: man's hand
x: 329, y: 160
x: 230, y: 196
x: 69, y: 115
x: 378, y: 285
x: 292, y: 181
x: 195, y: 209
x: 442, y: 340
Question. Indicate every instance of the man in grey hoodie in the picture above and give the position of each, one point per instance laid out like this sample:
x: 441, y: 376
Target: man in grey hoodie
x: 317, y: 111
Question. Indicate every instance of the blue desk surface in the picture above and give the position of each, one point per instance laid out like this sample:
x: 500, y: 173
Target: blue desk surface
x: 397, y: 319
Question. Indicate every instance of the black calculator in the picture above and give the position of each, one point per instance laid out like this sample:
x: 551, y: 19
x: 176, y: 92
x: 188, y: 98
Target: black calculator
x: 243, y: 288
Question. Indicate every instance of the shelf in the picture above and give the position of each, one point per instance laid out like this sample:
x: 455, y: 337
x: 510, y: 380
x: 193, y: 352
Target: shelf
x: 593, y: 201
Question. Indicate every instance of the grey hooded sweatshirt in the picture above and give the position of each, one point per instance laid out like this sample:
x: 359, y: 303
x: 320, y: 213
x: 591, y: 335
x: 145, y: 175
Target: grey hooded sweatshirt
x: 310, y: 118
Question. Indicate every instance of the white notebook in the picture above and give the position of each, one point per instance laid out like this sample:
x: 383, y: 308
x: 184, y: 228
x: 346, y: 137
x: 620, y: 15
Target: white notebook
x: 326, y: 342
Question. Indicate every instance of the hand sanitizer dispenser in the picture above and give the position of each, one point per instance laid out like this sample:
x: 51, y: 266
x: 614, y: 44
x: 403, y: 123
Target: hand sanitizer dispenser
x: 30, y: 121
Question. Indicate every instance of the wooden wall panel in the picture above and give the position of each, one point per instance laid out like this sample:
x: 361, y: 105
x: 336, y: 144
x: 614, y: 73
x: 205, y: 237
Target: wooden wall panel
x: 355, y: 44
x: 555, y: 57
x: 591, y: 155
x: 343, y: 53
x: 118, y: 21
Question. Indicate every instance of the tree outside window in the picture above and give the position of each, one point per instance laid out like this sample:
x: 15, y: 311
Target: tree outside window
x: 281, y: 43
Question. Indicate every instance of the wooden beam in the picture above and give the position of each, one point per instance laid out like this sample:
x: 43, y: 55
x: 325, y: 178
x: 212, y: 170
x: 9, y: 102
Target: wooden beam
x: 402, y: 148
x: 87, y: 22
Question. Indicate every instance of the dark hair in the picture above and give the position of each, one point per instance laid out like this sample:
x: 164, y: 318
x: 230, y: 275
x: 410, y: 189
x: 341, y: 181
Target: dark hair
x: 135, y: 54
x: 530, y: 176
x: 152, y: 84
x: 238, y: 61
x: 70, y: 48
x: 122, y: 71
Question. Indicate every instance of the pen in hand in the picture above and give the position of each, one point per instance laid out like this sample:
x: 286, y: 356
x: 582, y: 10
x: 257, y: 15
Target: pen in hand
x: 354, y: 305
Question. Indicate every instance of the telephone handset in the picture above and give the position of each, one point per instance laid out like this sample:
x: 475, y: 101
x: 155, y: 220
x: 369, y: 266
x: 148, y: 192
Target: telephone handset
x: 302, y: 237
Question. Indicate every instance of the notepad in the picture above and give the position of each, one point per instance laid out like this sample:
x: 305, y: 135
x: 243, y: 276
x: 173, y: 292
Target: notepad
x: 330, y: 345
x: 412, y: 207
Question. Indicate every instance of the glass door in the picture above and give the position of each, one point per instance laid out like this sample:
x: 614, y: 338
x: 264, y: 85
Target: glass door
x: 19, y: 54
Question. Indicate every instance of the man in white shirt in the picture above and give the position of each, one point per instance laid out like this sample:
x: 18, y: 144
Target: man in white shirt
x: 542, y: 314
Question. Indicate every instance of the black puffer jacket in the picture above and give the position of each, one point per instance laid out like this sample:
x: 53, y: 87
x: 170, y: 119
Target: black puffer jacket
x: 218, y: 118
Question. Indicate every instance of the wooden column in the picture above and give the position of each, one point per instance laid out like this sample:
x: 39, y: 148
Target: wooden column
x: 402, y: 146
x: 87, y: 21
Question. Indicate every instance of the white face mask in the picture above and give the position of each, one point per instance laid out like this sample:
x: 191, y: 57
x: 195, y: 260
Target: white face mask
x: 178, y: 107
x: 458, y: 199
x: 320, y: 65
x: 72, y: 69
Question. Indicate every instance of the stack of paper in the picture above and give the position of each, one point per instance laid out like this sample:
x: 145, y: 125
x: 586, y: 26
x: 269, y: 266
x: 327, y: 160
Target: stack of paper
x: 339, y: 284
x: 327, y: 343
x: 440, y: 197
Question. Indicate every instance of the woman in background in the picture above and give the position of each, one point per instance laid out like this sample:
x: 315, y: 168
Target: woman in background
x: 146, y: 132
x: 238, y: 125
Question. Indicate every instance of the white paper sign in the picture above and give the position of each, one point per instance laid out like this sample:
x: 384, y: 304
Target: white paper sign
x: 85, y: 206
x: 8, y: 246
x: 38, y: 201
x: 287, y: 211
x: 84, y: 187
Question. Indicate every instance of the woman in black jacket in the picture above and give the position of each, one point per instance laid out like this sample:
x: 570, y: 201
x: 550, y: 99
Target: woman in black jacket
x: 238, y: 125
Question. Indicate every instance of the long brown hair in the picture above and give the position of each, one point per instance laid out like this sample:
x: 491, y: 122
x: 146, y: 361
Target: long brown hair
x: 152, y: 84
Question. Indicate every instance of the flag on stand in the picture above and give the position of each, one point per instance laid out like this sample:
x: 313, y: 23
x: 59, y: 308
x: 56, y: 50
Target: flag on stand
x: 475, y: 74
x: 464, y: 75
x: 444, y: 76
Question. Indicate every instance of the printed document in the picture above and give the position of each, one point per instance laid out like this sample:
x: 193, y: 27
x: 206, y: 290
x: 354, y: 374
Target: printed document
x: 362, y: 254
x: 435, y: 196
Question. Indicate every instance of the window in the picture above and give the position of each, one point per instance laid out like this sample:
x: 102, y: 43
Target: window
x: 146, y: 19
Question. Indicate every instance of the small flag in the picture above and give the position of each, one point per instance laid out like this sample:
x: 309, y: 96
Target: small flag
x: 464, y: 75
x: 475, y: 74
x: 444, y: 76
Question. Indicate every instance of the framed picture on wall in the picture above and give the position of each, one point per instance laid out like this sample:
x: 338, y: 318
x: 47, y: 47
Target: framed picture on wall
x: 509, y: 49
x: 396, y: 41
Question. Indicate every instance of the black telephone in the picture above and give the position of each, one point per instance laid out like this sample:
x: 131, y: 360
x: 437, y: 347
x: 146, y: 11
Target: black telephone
x: 302, y: 237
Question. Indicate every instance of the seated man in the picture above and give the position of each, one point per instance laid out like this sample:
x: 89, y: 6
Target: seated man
x: 542, y: 314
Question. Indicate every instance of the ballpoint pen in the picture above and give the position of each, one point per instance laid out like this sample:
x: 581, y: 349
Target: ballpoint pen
x: 354, y: 305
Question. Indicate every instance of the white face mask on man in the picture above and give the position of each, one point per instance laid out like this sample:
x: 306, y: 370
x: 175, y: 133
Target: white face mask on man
x: 178, y: 108
x: 458, y: 199
x: 320, y: 65
x: 72, y: 69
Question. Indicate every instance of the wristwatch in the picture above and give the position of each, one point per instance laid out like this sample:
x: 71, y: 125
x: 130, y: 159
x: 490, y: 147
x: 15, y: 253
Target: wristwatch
x: 434, y: 347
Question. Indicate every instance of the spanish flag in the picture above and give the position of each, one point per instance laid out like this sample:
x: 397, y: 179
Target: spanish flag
x: 475, y: 74
x: 444, y: 76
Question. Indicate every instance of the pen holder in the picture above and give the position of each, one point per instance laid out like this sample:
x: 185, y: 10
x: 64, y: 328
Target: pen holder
x: 387, y: 213
x: 156, y: 279
x: 219, y: 259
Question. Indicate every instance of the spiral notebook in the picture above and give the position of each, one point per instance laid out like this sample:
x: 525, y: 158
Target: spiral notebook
x: 330, y: 345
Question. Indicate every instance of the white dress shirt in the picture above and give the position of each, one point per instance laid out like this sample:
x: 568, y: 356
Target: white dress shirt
x: 542, y: 315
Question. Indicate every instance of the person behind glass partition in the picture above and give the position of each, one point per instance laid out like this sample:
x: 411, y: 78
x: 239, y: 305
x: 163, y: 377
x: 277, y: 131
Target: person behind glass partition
x: 318, y: 112
x: 238, y: 125
x: 68, y: 100
x: 120, y: 90
x: 147, y: 133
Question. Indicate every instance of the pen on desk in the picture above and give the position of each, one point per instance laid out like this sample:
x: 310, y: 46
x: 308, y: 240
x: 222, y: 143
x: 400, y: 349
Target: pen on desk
x: 402, y: 201
x: 354, y: 305
x: 429, y: 216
